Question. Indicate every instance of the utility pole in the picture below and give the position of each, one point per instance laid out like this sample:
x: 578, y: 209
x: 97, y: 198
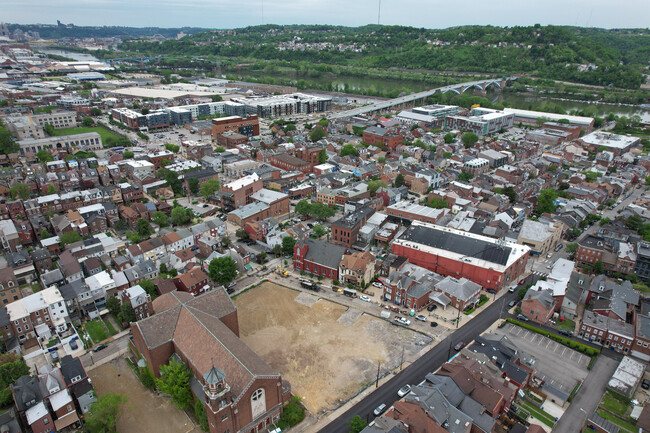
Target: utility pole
x: 379, y: 13
x: 377, y: 381
x: 402, y: 359
x: 458, y: 318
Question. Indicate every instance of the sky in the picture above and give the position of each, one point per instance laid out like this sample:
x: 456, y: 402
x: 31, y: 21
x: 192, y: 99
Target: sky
x: 240, y: 13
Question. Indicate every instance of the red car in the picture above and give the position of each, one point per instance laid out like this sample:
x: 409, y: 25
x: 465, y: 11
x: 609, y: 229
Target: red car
x: 522, y: 282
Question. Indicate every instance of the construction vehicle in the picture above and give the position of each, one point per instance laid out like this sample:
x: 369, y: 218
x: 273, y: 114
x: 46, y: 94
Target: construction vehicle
x: 282, y: 272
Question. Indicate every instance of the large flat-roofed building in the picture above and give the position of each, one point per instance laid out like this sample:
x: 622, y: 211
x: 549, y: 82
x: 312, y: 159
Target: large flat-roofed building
x: 481, y: 121
x: 540, y: 237
x: 530, y: 117
x: 438, y: 111
x: 346, y: 229
x: 618, y: 144
x: 376, y: 135
x: 135, y: 120
x: 290, y: 163
x: 89, y: 141
x: 248, y: 126
x: 278, y: 202
x: 238, y: 193
x: 489, y: 262
x: 251, y: 212
x: 405, y: 210
x: 281, y: 105
x: 31, y: 126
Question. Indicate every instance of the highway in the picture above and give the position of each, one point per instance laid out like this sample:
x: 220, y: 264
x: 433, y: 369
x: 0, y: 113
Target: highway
x: 430, y: 361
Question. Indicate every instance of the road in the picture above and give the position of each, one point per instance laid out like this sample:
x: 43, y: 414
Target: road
x: 429, y: 362
x: 90, y: 358
x: 586, y: 400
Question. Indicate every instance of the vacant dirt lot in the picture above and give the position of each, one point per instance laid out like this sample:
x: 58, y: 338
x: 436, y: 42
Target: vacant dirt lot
x: 144, y: 411
x: 324, y: 358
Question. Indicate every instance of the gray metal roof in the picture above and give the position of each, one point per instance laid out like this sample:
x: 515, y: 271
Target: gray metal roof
x: 324, y: 253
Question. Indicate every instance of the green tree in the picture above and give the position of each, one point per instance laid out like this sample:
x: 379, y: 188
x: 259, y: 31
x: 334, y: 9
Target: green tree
x: 70, y: 238
x: 163, y: 268
x: 220, y: 149
x: 446, y: 155
x: 449, y: 138
x: 144, y: 111
x: 127, y: 154
x: 222, y: 270
x: 181, y: 216
x: 261, y: 257
x: 193, y: 182
x: 319, y: 230
x: 150, y: 287
x: 349, y: 149
x: 216, y: 98
x: 175, y: 381
x: 546, y: 201
x: 303, y: 207
x: 225, y: 241
x: 45, y: 234
x: 209, y: 188
x: 552, y: 168
x: 113, y: 305
x: 357, y: 424
x: 469, y: 139
x: 103, y: 414
x: 399, y: 180
x: 317, y: 133
x: 49, y: 130
x: 510, y: 192
x: 324, y: 123
x: 160, y: 218
x: 20, y: 190
x: 173, y: 272
x: 277, y: 250
x: 598, y: 267
x: 201, y: 415
x: 438, y: 203
x: 634, y: 222
x: 44, y: 156
x: 321, y: 211
x: 287, y: 245
x: 51, y: 189
x: 13, y: 368
x: 144, y: 228
x: 293, y: 412
x: 241, y: 234
x: 465, y: 176
x: 322, y: 156
x: 374, y: 185
x: 127, y: 315
x: 571, y: 248
x: 95, y: 111
x: 88, y: 122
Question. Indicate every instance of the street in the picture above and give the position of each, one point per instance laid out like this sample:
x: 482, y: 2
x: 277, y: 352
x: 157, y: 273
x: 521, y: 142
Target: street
x: 90, y: 358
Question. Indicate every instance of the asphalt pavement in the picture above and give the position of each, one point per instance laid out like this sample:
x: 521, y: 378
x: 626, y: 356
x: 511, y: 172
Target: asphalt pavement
x: 430, y: 361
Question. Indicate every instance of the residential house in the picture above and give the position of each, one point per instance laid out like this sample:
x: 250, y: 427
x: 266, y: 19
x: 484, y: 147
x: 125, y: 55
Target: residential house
x: 194, y: 281
x: 462, y: 293
x: 139, y: 300
x: 357, y: 268
x: 538, y: 305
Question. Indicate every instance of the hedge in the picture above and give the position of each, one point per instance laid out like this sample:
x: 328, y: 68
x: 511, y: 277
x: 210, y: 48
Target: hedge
x: 587, y: 350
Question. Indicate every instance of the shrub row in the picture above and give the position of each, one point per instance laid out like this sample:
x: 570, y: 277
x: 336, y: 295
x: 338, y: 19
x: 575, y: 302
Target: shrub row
x: 589, y: 351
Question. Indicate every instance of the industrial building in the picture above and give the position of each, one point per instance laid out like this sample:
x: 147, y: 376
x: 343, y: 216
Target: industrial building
x: 481, y: 121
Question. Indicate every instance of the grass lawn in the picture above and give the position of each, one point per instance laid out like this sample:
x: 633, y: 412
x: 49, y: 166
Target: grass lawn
x: 104, y: 133
x: 110, y: 327
x: 642, y: 288
x: 97, y: 331
x: 567, y: 325
x: 613, y: 405
x: 622, y: 424
x: 538, y: 413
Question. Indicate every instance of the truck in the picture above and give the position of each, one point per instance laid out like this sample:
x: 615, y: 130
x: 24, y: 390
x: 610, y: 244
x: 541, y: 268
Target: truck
x: 350, y: 292
x: 310, y: 286
x: 282, y: 272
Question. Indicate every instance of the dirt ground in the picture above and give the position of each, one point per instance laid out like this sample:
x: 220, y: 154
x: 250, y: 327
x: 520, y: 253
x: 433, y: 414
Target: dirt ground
x: 144, y: 411
x: 325, y: 350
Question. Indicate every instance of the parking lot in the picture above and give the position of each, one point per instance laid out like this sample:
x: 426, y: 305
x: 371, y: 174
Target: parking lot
x: 557, y: 364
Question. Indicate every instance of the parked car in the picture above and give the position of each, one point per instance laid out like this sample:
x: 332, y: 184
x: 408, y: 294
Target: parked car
x: 73, y: 345
x: 491, y: 291
x: 549, y: 255
x: 559, y: 247
x: 459, y: 346
x: 512, y: 304
x: 522, y: 317
x: 365, y: 298
x: 522, y: 282
x: 377, y: 284
x: 434, y: 324
x: 231, y: 284
x: 645, y: 384
x: 99, y: 347
x: 421, y: 318
x: 380, y: 409
x: 432, y: 307
x: 512, y: 289
x: 565, y: 332
x: 402, y: 320
x: 404, y: 390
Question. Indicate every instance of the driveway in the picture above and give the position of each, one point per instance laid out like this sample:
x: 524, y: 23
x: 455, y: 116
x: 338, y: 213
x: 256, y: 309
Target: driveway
x: 587, y: 399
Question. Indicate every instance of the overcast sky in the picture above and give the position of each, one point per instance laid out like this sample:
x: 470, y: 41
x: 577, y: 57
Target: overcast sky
x: 240, y: 13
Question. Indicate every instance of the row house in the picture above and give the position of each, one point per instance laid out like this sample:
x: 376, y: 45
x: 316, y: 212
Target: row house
x: 131, y: 191
x: 152, y: 249
x: 194, y: 281
x: 139, y: 300
x: 610, y: 332
x: 104, y: 176
x: 178, y: 240
x: 35, y: 315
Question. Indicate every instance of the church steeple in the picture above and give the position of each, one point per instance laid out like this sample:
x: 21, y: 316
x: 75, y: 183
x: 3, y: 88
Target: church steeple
x: 216, y: 389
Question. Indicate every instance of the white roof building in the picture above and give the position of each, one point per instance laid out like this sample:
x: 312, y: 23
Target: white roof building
x: 268, y: 196
x: 242, y: 182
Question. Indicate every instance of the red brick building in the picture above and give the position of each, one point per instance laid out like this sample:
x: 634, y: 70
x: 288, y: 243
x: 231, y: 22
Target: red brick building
x: 318, y: 258
x: 446, y: 251
x: 237, y: 193
x: 290, y: 163
x: 248, y: 126
x: 538, y: 305
x: 242, y: 393
x: 194, y: 281
x: 375, y: 135
x: 346, y: 229
x: 611, y: 333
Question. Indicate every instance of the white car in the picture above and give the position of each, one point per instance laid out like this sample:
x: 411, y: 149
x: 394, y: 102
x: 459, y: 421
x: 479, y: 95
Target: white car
x: 365, y: 298
x: 404, y: 390
x: 402, y: 320
x: 421, y: 318
x: 377, y: 284
x: 378, y: 411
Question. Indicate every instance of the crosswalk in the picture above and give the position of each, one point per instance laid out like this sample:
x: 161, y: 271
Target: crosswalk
x: 540, y: 274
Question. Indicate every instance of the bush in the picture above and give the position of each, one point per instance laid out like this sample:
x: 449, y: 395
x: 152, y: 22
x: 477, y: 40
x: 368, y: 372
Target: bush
x: 293, y: 413
x: 335, y: 282
x: 565, y: 341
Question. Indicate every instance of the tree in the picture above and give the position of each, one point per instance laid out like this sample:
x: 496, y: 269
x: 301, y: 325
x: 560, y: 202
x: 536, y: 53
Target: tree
x: 220, y: 149
x: 163, y: 268
x: 127, y: 154
x: 193, y: 182
x: 465, y: 176
x: 44, y: 156
x: 261, y: 257
x: 216, y: 98
x: 552, y: 168
x: 446, y: 155
x: 88, y: 122
x: 95, y: 111
x: 469, y: 139
x: 113, y: 305
x: 287, y: 245
x: 399, y: 180
x: 103, y: 414
x: 634, y: 222
x: 293, y: 412
x: 438, y: 203
x: 321, y: 211
x: 322, y: 156
x: 45, y: 234
x: 323, y: 122
x: 571, y: 248
x: 173, y: 272
x: 225, y: 241
x: 222, y: 270
x: 144, y: 228
x: 175, y: 381
x: 317, y: 133
x: 209, y: 188
x: 598, y: 267
x: 181, y: 216
x: 69, y: 238
x: 127, y: 315
x: 20, y: 190
x: 201, y: 415
x: 319, y: 230
x: 511, y: 194
x: 150, y: 287
x: 349, y: 149
x: 546, y: 201
x: 144, y: 111
x: 12, y: 369
x: 374, y: 185
x: 160, y: 218
x: 51, y: 189
x: 449, y: 138
x: 357, y: 424
x: 277, y: 250
x: 303, y: 207
x: 49, y: 130
x: 241, y: 234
